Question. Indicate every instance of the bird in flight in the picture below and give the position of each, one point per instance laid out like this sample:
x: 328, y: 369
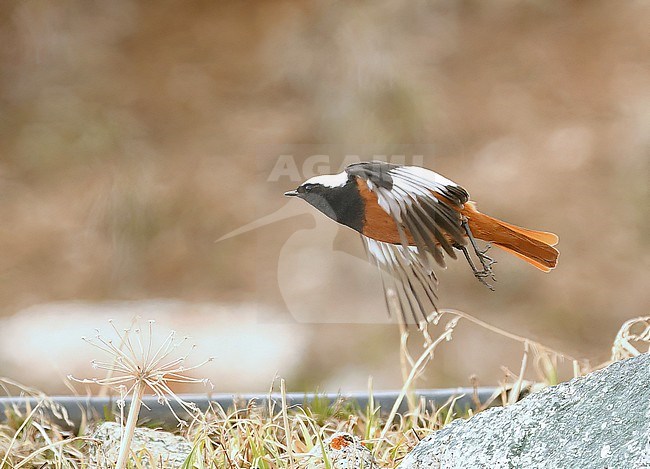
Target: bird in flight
x: 410, y: 217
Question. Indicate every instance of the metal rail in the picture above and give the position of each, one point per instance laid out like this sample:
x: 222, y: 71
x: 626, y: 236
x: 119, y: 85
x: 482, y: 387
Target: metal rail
x: 95, y: 408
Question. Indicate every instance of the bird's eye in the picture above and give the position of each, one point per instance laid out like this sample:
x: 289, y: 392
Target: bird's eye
x: 308, y: 187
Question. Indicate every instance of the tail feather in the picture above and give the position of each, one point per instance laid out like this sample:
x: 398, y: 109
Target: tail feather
x: 543, y: 236
x: 544, y: 266
x: 534, y: 247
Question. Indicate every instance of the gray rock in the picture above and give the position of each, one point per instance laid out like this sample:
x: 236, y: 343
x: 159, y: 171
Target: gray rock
x: 156, y: 448
x: 599, y: 421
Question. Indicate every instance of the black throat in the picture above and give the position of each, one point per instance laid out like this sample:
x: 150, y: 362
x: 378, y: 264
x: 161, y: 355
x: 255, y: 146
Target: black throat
x: 342, y: 204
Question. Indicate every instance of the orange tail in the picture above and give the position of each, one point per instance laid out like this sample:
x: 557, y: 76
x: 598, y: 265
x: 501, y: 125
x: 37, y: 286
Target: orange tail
x: 535, y: 247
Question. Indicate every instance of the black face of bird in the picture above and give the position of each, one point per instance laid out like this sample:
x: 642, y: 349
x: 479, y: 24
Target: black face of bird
x: 337, y: 197
x: 318, y: 196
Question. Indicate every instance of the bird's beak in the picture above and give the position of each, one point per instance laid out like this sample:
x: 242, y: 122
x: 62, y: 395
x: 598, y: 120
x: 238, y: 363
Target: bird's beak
x: 291, y: 194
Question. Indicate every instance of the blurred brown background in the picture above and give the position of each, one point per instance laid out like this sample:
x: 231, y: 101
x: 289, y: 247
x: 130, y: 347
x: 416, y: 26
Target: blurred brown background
x: 135, y: 134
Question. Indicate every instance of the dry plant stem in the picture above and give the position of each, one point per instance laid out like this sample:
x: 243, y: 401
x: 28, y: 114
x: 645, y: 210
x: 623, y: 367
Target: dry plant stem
x: 514, y: 394
x: 426, y: 355
x: 623, y: 347
x: 496, y: 330
x: 576, y: 369
x: 404, y: 358
x: 20, y: 429
x: 49, y: 447
x: 405, y: 361
x: 129, y: 430
x: 287, y: 428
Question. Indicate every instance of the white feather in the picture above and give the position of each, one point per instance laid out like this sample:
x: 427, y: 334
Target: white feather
x: 425, y: 174
x: 408, y: 181
x: 398, y: 264
x: 329, y: 180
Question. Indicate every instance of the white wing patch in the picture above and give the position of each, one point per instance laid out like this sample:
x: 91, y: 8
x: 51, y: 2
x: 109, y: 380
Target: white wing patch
x: 433, y: 224
x: 409, y: 181
x: 426, y: 174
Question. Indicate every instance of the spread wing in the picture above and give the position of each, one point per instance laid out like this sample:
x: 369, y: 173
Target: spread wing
x: 409, y: 286
x: 425, y: 207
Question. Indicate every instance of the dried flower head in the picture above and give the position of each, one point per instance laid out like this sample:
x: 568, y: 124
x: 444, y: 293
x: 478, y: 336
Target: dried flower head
x: 138, y: 364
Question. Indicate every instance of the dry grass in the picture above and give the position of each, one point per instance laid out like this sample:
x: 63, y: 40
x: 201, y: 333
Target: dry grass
x: 29, y: 438
x: 632, y: 339
x: 247, y: 436
x: 275, y: 435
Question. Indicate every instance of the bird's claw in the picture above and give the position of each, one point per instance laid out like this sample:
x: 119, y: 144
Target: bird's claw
x: 486, y: 261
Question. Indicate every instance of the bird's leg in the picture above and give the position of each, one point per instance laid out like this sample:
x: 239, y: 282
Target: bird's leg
x: 479, y: 274
x: 485, y: 260
x: 460, y: 247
